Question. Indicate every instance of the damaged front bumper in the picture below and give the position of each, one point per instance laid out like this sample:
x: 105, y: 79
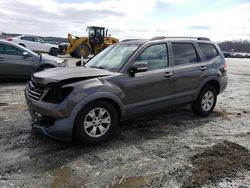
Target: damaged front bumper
x: 53, y: 120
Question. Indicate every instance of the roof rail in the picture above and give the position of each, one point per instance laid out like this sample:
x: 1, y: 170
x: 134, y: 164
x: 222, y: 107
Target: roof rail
x: 158, y: 38
x: 127, y: 40
x: 188, y: 38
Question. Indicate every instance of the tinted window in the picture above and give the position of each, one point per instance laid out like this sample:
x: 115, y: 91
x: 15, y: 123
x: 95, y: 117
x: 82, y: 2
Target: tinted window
x: 156, y: 56
x: 38, y: 40
x: 9, y: 50
x: 27, y: 38
x: 209, y: 51
x: 184, y: 53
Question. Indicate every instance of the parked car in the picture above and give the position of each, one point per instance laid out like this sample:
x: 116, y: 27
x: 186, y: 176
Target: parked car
x: 123, y: 81
x: 19, y: 62
x: 36, y: 44
x: 227, y: 54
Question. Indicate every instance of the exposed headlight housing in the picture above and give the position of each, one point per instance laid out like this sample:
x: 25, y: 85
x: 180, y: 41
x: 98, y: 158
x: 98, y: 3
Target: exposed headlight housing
x: 56, y: 95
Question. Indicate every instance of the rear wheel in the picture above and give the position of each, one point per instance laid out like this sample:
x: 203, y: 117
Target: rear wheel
x: 96, y: 123
x: 206, y: 101
x: 22, y: 45
x: 82, y: 50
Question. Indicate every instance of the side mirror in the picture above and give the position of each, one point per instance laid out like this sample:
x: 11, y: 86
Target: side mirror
x: 106, y: 32
x: 25, y: 54
x: 138, y: 66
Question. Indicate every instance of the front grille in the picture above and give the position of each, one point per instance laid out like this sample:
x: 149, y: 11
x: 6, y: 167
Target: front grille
x: 33, y: 91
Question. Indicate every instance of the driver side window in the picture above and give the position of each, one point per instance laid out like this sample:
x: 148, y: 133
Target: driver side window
x: 10, y: 50
x: 156, y: 56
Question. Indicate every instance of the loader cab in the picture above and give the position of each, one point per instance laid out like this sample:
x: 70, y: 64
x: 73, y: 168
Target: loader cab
x: 96, y: 35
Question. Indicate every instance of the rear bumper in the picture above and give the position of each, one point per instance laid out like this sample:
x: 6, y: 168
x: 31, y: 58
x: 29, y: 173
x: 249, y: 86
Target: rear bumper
x: 223, y: 83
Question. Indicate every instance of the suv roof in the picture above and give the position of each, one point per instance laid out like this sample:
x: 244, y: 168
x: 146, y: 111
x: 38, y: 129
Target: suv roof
x: 163, y: 38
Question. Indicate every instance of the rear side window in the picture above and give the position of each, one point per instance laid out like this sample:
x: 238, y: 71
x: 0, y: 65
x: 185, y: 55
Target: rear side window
x: 156, y: 56
x: 184, y: 53
x: 209, y: 51
x: 27, y: 38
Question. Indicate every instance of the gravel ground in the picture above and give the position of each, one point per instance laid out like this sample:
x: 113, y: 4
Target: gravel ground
x: 172, y: 148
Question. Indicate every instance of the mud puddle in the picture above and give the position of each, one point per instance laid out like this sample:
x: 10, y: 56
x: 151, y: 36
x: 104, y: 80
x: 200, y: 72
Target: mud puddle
x: 139, y: 181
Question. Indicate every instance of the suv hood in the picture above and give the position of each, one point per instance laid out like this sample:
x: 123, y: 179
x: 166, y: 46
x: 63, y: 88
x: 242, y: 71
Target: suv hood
x: 46, y: 57
x: 67, y: 75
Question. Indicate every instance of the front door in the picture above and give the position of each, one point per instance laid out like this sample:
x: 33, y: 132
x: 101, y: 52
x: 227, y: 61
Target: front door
x: 153, y: 88
x: 13, y: 63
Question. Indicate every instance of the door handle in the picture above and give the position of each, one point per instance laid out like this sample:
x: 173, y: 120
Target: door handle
x: 202, y: 68
x: 168, y: 74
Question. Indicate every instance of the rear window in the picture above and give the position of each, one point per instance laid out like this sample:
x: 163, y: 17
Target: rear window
x: 209, y: 51
x: 184, y: 53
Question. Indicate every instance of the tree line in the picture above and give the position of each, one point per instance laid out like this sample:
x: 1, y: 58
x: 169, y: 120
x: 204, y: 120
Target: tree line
x: 235, y: 46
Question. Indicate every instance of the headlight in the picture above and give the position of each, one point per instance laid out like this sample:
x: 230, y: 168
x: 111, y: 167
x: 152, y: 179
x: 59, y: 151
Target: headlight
x: 65, y: 63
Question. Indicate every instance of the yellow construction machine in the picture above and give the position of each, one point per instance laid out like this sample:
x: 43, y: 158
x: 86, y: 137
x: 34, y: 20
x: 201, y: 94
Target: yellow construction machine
x: 96, y: 41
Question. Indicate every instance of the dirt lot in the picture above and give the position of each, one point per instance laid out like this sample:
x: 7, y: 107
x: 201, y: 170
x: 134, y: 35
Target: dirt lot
x: 168, y: 149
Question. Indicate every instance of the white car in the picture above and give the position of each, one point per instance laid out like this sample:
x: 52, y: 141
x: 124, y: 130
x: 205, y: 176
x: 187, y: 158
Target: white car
x: 35, y: 43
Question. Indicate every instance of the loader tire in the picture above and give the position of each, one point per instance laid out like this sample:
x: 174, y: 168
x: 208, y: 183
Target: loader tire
x: 84, y: 49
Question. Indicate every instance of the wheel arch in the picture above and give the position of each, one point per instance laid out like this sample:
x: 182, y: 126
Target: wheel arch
x: 84, y: 102
x: 113, y: 99
x: 213, y: 82
x: 21, y: 44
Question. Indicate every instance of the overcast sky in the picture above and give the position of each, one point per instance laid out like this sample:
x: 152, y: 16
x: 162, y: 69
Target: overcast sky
x: 217, y: 19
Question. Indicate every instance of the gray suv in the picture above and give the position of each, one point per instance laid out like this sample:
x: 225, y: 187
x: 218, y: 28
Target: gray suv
x: 125, y: 80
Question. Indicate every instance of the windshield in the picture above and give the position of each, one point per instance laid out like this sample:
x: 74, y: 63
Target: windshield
x: 28, y: 50
x: 113, y: 57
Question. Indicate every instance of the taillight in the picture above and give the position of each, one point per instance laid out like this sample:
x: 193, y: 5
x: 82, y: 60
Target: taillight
x: 9, y: 39
x: 225, y: 66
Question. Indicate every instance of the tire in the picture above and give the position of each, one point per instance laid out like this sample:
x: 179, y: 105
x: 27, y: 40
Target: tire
x: 88, y: 128
x: 72, y: 54
x: 53, y: 51
x: 45, y: 67
x: 83, y: 48
x: 206, y: 101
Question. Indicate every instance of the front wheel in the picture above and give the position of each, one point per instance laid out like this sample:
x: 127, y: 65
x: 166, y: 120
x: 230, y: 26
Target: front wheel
x: 96, y: 123
x: 206, y: 101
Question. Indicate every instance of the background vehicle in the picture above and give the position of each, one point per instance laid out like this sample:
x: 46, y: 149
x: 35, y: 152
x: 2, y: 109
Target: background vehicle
x: 36, y: 44
x: 96, y: 41
x: 19, y: 62
x: 123, y: 81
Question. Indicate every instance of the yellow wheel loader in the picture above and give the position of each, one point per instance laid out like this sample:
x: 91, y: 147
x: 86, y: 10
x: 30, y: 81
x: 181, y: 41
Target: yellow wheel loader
x: 96, y: 41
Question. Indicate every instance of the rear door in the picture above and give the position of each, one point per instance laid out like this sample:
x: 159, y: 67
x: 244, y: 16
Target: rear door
x: 188, y: 71
x: 13, y: 63
x: 28, y: 42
